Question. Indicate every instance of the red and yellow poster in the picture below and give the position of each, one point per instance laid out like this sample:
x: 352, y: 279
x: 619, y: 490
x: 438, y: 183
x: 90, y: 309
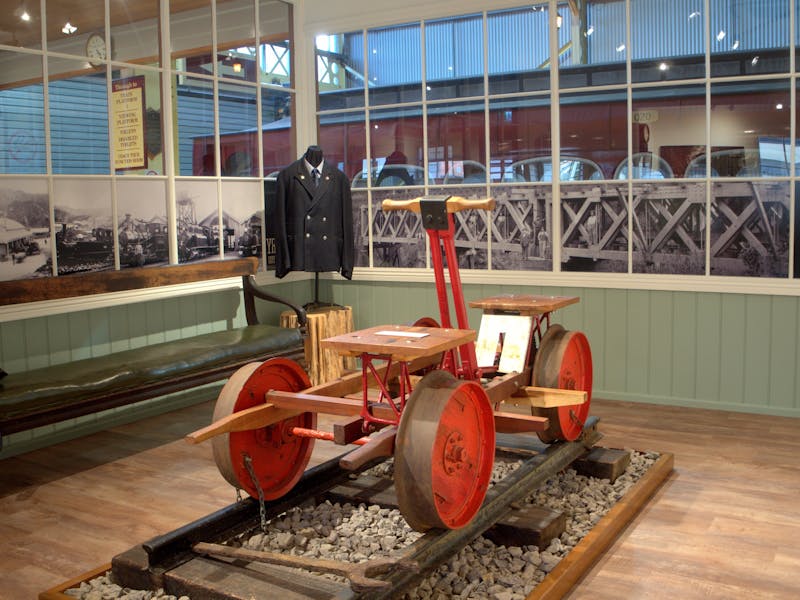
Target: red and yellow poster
x: 127, y: 106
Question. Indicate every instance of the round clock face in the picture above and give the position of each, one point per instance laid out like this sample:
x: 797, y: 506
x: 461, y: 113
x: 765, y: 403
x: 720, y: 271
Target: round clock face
x: 96, y: 48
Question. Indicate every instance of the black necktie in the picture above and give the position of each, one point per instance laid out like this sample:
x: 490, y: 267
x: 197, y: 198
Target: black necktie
x: 315, y: 177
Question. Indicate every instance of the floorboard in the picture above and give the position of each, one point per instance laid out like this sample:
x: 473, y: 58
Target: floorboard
x: 724, y: 525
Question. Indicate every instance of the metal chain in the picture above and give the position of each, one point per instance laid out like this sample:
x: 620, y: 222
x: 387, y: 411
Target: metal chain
x: 262, y: 511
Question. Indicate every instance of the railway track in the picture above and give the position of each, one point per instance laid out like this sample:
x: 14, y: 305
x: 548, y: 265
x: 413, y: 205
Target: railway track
x: 189, y: 561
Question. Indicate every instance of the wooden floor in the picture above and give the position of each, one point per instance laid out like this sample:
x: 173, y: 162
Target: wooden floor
x: 725, y: 525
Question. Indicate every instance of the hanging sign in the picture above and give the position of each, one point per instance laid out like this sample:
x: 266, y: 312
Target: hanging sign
x: 127, y: 111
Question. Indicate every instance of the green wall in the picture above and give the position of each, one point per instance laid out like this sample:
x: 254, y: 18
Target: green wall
x: 709, y: 350
x: 721, y: 351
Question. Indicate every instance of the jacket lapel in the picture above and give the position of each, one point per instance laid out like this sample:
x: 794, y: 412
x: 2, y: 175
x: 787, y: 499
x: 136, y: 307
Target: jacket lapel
x: 302, y: 176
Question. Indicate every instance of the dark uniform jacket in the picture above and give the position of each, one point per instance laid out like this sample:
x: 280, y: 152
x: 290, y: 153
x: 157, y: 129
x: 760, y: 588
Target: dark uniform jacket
x: 313, y: 226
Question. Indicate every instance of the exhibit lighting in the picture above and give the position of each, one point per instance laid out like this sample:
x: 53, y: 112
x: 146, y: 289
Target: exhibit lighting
x: 559, y: 20
x: 721, y: 35
x: 68, y: 28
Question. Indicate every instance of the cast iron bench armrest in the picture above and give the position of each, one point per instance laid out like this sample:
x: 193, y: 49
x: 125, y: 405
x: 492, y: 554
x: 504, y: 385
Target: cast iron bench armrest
x: 252, y: 289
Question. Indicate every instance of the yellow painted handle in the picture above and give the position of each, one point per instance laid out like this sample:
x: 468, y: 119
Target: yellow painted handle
x: 454, y: 204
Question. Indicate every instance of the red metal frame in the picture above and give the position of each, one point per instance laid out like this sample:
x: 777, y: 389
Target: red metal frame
x: 445, y: 239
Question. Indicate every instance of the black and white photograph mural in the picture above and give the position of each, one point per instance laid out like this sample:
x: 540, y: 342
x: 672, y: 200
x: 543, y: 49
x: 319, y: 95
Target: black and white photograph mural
x: 142, y: 232
x: 197, y: 220
x: 669, y: 228
x: 83, y: 224
x: 521, y: 228
x: 25, y: 250
x: 750, y: 228
x: 361, y: 226
x: 242, y: 219
x: 398, y: 239
x: 594, y: 225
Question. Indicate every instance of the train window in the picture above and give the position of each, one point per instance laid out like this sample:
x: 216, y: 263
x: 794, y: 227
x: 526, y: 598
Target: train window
x: 594, y: 126
x: 340, y: 70
x: 394, y: 64
x: 190, y: 34
x: 343, y: 136
x: 195, y: 124
x: 237, y: 120
x: 744, y: 118
x: 458, y: 130
x: 396, y: 140
x: 518, y: 50
x: 22, y: 147
x: 454, y: 57
x: 79, y: 136
x: 519, y: 128
x: 749, y: 37
x: 667, y: 57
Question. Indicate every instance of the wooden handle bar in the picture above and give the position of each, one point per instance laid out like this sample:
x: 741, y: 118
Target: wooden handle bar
x: 454, y: 204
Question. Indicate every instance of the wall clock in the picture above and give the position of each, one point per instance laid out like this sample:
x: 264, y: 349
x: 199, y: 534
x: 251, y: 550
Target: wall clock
x: 96, y: 49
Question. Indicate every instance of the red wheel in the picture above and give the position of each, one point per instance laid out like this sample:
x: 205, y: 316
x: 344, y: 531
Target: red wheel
x: 444, y: 452
x: 564, y: 361
x: 426, y: 322
x: 278, y: 458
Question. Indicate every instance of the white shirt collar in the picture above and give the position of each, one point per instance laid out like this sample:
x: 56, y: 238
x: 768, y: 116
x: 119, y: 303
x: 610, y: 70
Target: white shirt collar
x: 310, y: 168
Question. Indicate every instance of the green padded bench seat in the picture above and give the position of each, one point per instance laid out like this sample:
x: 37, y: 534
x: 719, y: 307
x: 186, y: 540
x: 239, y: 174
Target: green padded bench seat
x: 56, y: 393
x: 148, y: 371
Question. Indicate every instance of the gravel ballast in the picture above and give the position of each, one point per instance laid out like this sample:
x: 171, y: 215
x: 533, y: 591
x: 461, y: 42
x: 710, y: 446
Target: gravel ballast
x: 482, y: 570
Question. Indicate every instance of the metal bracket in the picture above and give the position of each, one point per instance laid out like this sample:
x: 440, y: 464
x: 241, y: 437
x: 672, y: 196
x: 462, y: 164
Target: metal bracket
x: 434, y: 212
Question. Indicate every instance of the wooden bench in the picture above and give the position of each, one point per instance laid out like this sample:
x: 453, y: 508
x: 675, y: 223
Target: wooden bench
x: 51, y: 394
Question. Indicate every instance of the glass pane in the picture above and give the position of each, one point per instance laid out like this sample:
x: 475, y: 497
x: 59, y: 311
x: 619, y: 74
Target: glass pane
x: 242, y: 215
x: 84, y: 229
x: 398, y: 239
x: 275, y: 26
x: 594, y: 228
x: 456, y: 143
x: 197, y: 219
x: 749, y: 37
x: 669, y: 132
x: 72, y: 29
x: 667, y: 41
x: 238, y: 123
x: 276, y: 119
x: 236, y: 50
x: 396, y: 147
x: 519, y: 129
x: 750, y: 122
x: 343, y: 139
x: 669, y: 228
x: 190, y: 31
x: 361, y: 227
x: 195, y: 126
x: 395, y: 64
x: 136, y: 120
x: 21, y: 24
x: 142, y: 232
x: 522, y: 228
x: 750, y: 228
x: 22, y: 144
x: 472, y: 228
x: 79, y: 122
x: 134, y: 31
x: 519, y: 51
x: 340, y: 70
x: 594, y: 128
x: 592, y: 39
x: 454, y: 57
x: 24, y: 229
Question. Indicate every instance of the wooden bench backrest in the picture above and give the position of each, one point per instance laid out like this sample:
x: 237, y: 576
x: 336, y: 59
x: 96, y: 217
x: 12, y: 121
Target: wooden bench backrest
x: 102, y: 282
